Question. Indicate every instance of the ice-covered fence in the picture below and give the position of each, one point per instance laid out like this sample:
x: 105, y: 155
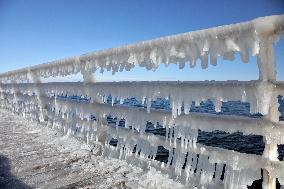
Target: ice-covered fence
x: 191, y: 163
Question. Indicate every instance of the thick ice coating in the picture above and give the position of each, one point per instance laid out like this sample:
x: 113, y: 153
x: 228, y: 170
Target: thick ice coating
x: 189, y: 162
x: 258, y: 94
x: 204, y: 121
x: 73, y: 118
x: 245, y: 38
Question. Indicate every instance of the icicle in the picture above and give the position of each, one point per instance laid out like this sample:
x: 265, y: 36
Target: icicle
x: 235, y: 179
x: 170, y: 157
x: 148, y: 104
x: 219, y: 170
x: 121, y: 100
x: 218, y: 105
x: 88, y: 76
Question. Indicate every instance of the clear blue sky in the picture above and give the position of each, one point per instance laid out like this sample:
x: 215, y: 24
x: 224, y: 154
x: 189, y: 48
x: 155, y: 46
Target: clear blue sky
x: 37, y: 31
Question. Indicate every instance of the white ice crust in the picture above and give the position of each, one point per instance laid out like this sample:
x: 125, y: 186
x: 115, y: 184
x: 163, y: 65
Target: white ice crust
x: 224, y: 41
x: 21, y: 92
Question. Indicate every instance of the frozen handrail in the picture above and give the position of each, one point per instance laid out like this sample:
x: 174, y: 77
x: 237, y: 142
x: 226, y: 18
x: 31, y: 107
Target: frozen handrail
x: 218, y: 153
x: 221, y: 41
x: 203, y: 121
x: 22, y: 92
x: 179, y: 93
x: 237, y: 161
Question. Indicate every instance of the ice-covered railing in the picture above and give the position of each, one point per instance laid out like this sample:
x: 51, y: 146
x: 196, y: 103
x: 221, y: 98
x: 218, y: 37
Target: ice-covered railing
x: 180, y: 93
x: 246, y: 38
x: 189, y: 162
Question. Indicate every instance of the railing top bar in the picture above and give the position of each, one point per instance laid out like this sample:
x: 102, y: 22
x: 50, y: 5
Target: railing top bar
x: 279, y: 84
x: 207, y: 82
x: 181, y: 48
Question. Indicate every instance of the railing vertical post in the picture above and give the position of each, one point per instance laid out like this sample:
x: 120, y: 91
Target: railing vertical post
x: 266, y: 60
x: 34, y: 78
x: 270, y: 150
x: 88, y: 77
x: 267, y: 73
